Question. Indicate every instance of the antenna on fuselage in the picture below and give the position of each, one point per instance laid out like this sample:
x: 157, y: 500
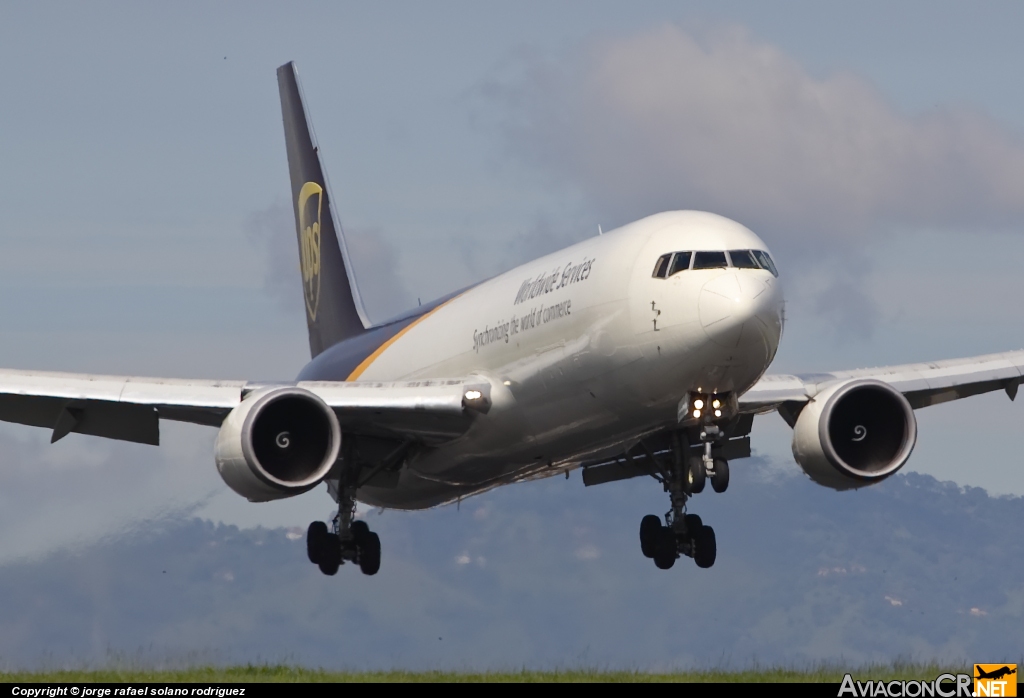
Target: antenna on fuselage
x: 599, y: 231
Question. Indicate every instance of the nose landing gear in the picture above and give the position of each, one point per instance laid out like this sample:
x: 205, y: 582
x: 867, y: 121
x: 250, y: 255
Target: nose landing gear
x: 715, y: 468
x: 720, y: 475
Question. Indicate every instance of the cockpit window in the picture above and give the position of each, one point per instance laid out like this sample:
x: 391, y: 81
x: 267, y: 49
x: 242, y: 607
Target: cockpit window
x: 680, y: 262
x: 675, y: 262
x: 766, y: 262
x: 709, y: 260
x: 661, y: 266
x: 743, y: 259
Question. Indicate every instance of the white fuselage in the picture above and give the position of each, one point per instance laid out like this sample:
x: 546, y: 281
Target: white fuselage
x: 585, y: 349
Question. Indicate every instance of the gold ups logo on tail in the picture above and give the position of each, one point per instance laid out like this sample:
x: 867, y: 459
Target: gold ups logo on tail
x: 310, y: 199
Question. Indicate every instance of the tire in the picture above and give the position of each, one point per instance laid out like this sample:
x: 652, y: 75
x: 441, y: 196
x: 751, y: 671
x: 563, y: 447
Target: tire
x: 695, y: 476
x: 330, y: 554
x: 720, y: 480
x: 316, y: 534
x: 650, y: 525
x: 706, y: 548
x: 330, y: 557
x: 329, y: 568
x: 693, y: 525
x: 666, y: 549
x: 360, y: 530
x: 369, y: 553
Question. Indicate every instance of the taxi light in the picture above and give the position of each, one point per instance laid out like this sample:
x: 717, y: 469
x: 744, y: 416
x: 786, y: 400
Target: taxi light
x: 699, y: 404
x: 473, y: 394
x: 718, y: 413
x: 716, y: 404
x: 696, y: 413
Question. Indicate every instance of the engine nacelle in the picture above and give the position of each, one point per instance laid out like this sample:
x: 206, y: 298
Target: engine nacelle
x: 277, y: 443
x: 854, y: 434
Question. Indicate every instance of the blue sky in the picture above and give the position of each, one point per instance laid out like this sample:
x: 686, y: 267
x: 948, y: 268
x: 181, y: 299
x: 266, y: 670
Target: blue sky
x: 144, y: 223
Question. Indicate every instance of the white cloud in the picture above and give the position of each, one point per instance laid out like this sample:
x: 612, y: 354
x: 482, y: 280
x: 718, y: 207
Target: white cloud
x: 823, y: 167
x: 662, y: 120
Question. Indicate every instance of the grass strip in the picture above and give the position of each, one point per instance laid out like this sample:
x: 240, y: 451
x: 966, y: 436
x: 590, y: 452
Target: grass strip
x: 271, y: 673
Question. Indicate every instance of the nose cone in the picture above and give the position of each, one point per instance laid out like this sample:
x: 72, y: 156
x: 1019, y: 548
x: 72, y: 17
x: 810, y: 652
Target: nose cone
x: 742, y: 309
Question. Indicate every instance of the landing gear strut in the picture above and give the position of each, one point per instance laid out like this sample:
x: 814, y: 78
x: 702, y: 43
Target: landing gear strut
x: 350, y: 540
x: 682, y: 533
x: 715, y: 468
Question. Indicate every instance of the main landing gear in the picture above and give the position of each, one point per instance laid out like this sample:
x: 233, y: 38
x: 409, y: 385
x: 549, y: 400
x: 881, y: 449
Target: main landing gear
x: 348, y: 540
x: 682, y: 533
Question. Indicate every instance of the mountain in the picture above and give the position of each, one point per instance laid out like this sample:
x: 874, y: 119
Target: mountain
x: 548, y: 574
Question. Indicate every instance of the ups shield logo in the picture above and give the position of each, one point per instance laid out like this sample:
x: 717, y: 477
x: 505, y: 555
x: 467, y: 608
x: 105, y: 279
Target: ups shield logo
x: 309, y: 204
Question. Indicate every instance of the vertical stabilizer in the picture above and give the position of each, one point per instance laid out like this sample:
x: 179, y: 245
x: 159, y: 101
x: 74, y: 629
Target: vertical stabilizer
x: 334, y: 310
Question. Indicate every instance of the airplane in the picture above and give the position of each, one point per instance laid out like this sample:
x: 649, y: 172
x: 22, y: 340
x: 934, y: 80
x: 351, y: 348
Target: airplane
x: 996, y: 673
x: 639, y: 352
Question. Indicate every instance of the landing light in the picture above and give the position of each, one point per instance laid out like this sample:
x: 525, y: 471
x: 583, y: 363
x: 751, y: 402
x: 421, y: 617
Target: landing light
x: 473, y: 394
x: 716, y: 403
x: 696, y: 413
x: 699, y: 404
x: 718, y: 413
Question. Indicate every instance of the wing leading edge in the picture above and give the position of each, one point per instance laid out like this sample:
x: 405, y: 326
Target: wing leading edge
x: 129, y: 408
x: 923, y: 384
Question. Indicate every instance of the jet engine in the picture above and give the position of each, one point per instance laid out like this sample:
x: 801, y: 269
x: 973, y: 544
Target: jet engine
x: 277, y: 443
x: 854, y: 434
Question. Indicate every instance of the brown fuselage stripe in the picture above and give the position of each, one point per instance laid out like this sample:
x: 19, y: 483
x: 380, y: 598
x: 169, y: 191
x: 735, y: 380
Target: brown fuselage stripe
x: 365, y: 364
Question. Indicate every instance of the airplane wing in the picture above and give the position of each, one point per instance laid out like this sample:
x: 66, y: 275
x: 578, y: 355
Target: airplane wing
x: 922, y: 384
x: 129, y: 408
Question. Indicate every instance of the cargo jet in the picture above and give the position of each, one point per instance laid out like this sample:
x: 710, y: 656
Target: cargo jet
x: 639, y: 352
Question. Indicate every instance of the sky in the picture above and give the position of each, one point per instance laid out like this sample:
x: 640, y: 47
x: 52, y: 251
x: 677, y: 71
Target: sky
x: 145, y: 227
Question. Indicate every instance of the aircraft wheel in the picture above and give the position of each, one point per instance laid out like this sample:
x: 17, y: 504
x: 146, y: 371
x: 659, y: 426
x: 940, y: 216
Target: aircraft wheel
x: 650, y: 525
x: 316, y: 535
x: 367, y: 546
x: 720, y: 478
x: 330, y: 556
x: 693, y: 524
x: 695, y: 476
x: 706, y: 547
x: 369, y: 553
x: 666, y: 550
